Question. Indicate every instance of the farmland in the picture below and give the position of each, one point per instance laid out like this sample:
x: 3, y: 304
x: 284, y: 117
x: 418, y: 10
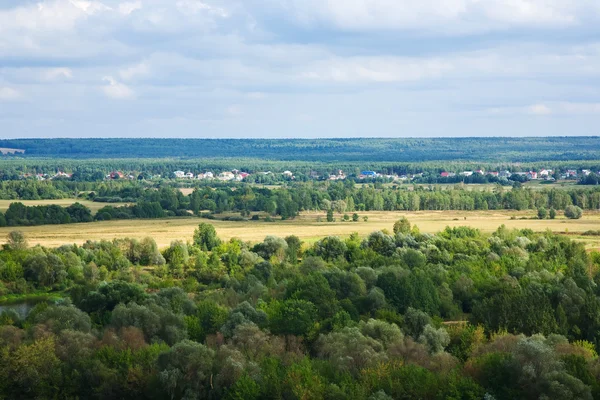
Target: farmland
x: 306, y: 226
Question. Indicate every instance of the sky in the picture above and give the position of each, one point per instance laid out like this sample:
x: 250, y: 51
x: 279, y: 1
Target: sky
x: 299, y: 68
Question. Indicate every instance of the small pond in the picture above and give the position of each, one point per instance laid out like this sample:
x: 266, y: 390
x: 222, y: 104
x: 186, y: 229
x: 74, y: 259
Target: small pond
x: 22, y: 307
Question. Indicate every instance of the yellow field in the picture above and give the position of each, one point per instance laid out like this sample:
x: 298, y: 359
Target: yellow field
x: 61, y: 202
x: 305, y: 226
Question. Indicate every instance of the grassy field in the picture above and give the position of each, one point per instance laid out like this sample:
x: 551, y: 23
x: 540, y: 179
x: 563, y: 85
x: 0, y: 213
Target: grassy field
x: 61, y: 202
x: 306, y: 227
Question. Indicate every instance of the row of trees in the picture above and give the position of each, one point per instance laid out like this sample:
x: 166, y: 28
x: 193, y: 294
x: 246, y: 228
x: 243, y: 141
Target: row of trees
x: 18, y: 214
x: 394, y: 315
x: 287, y: 202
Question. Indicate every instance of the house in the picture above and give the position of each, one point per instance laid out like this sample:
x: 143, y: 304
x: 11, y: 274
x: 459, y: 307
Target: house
x: 206, y: 175
x: 571, y: 173
x: 504, y: 174
x: 480, y: 172
x: 339, y: 176
x: 287, y: 173
x: 41, y: 177
x: 368, y: 174
x: 226, y: 176
x: 61, y: 174
x: 467, y: 173
x: 447, y: 174
x: 532, y: 175
x: 494, y: 173
x: 179, y: 174
x: 240, y: 176
x: 189, y: 175
x: 235, y: 171
x: 586, y: 172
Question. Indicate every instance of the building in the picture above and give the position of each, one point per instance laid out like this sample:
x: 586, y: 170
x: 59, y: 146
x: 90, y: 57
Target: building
x: 480, y: 172
x: 226, y: 176
x: 447, y: 174
x: 532, y: 175
x: 494, y: 173
x: 339, y: 176
x: 504, y: 174
x: 179, y: 174
x: 368, y: 174
x: 467, y: 173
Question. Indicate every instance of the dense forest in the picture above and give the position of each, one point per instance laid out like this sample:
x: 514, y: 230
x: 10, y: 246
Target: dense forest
x: 498, y: 149
x: 397, y: 315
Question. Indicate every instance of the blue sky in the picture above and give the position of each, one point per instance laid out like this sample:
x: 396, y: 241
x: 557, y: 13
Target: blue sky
x: 299, y: 68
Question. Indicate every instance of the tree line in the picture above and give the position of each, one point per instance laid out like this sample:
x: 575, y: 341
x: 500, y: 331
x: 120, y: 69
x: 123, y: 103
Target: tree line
x: 287, y: 202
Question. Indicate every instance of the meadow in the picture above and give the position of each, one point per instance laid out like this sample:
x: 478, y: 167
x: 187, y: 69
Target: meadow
x: 308, y: 227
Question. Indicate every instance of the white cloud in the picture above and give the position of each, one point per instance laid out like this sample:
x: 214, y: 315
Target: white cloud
x: 57, y: 74
x: 256, y: 96
x: 556, y: 108
x: 117, y: 90
x: 196, y: 6
x: 9, y: 94
x: 454, y: 16
x: 234, y: 110
x: 133, y: 71
x: 376, y: 69
x: 539, y: 109
x: 129, y: 7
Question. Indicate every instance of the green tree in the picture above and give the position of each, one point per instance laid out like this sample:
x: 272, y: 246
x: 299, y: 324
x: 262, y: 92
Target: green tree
x: 573, y: 212
x: 402, y: 226
x: 330, y: 215
x: 205, y: 236
x: 542, y: 213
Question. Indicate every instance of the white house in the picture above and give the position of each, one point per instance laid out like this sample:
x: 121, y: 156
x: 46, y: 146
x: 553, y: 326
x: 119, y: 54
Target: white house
x: 226, y: 176
x: 179, y: 174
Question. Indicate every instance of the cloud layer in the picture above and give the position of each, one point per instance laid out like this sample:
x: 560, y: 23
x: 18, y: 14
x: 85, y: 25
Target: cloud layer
x: 299, y: 68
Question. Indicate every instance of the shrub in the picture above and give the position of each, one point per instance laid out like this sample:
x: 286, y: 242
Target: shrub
x: 573, y: 212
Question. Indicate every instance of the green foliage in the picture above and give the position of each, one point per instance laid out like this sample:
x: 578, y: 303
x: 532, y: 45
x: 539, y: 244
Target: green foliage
x: 573, y: 212
x: 385, y: 317
x: 205, y: 237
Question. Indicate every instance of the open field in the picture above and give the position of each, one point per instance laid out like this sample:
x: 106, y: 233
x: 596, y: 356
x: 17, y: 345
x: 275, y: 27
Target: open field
x: 5, y: 150
x: 305, y: 226
x: 93, y: 206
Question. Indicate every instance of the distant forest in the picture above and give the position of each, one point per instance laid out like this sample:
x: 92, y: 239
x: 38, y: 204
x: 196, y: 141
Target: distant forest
x: 325, y: 150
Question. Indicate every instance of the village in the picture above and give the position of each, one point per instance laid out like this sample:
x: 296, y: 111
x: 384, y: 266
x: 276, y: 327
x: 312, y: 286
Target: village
x: 339, y: 175
x: 236, y: 175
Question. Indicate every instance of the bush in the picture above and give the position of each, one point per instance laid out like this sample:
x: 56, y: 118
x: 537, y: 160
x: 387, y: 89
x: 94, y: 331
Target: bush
x: 573, y: 212
x: 542, y: 213
x: 552, y: 213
